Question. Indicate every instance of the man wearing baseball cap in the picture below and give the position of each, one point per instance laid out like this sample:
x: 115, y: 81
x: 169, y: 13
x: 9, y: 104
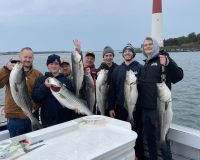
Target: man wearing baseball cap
x: 66, y: 69
x: 89, y: 65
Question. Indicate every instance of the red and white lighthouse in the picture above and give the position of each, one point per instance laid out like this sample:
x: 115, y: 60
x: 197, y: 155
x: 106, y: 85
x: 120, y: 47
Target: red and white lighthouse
x: 157, y: 22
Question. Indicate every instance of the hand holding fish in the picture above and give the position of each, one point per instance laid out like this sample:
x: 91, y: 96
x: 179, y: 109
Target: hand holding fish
x: 77, y: 110
x: 87, y: 70
x: 35, y: 108
x: 164, y: 60
x: 46, y: 83
x: 9, y: 65
x: 112, y: 113
x: 67, y: 98
x: 77, y: 44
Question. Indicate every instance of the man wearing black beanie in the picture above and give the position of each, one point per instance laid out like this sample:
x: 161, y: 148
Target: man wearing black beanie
x: 130, y: 48
x: 53, y: 58
x: 52, y: 112
x: 117, y: 105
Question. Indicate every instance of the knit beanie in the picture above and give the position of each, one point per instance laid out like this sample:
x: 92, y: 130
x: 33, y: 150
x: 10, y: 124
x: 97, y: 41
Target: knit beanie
x: 108, y: 49
x: 53, y: 58
x: 129, y: 47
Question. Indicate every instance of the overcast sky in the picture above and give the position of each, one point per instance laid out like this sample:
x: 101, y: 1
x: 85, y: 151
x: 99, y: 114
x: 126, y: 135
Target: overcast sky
x: 53, y: 24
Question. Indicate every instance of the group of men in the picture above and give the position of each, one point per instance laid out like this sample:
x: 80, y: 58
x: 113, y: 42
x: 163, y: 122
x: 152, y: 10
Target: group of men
x: 52, y: 112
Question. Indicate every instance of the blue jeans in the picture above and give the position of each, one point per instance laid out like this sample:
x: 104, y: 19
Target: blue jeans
x: 17, y: 127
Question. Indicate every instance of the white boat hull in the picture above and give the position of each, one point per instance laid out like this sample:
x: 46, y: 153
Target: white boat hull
x: 185, y: 142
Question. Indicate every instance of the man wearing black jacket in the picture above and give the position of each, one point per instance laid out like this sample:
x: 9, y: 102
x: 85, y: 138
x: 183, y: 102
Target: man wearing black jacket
x: 107, y: 64
x: 151, y: 74
x: 117, y: 97
x: 52, y: 112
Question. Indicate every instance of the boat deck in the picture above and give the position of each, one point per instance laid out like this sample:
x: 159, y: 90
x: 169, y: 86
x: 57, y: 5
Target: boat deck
x: 185, y: 142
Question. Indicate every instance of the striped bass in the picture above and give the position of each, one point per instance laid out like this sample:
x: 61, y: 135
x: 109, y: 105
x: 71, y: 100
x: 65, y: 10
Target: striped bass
x: 67, y: 98
x: 20, y: 94
x: 130, y: 93
x: 90, y: 91
x: 77, y: 71
x: 164, y: 107
x: 102, y: 90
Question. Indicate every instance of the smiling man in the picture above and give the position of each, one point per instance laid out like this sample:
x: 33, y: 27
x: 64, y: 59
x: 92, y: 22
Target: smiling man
x: 89, y: 65
x: 159, y: 67
x: 52, y: 112
x: 66, y: 69
x: 18, y: 122
x: 118, y: 80
x: 107, y: 64
x: 117, y: 106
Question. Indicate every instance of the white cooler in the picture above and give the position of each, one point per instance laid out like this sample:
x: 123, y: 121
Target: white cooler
x: 92, y: 137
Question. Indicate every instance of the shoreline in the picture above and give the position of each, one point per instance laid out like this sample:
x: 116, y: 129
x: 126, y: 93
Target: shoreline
x: 36, y: 52
x: 137, y: 50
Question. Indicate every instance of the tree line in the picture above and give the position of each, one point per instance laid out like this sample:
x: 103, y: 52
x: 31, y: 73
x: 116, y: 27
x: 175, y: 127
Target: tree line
x: 191, y: 39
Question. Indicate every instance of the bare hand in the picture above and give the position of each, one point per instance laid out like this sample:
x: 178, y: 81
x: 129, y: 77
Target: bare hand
x: 46, y: 82
x: 77, y: 44
x: 164, y: 60
x: 77, y: 110
x: 112, y: 113
x: 87, y: 70
x: 35, y: 108
x: 10, y: 65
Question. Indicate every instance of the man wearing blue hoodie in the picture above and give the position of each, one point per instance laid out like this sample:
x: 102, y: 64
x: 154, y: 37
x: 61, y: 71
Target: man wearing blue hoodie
x: 116, y: 101
x: 151, y: 74
x: 52, y: 112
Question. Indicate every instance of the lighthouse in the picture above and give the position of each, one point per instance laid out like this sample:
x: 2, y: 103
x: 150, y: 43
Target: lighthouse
x: 157, y: 22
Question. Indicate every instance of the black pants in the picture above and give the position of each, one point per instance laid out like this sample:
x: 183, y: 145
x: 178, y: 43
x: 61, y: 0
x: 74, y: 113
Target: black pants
x: 150, y: 119
x: 138, y: 128
x: 68, y: 115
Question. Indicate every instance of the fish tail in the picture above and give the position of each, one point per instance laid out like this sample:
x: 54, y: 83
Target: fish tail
x: 131, y: 121
x: 162, y: 139
x: 36, y: 125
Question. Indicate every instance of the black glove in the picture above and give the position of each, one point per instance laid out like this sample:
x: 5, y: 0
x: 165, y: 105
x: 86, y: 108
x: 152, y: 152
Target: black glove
x: 162, y: 52
x: 104, y: 66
